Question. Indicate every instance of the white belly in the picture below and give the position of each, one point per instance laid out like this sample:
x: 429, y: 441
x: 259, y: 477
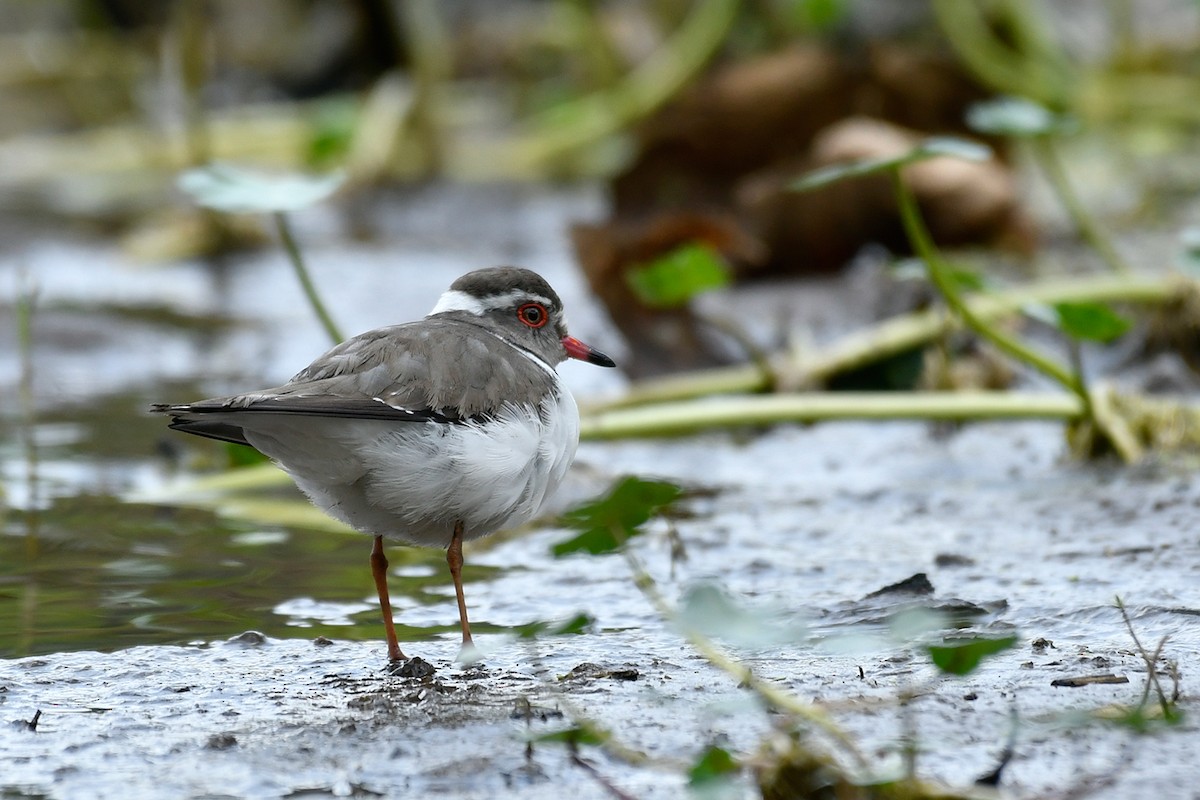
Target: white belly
x: 413, y: 481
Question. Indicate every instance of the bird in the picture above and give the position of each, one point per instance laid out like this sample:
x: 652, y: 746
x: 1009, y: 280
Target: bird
x: 432, y: 432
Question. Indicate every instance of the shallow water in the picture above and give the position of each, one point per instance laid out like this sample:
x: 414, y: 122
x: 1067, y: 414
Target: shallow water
x: 120, y: 616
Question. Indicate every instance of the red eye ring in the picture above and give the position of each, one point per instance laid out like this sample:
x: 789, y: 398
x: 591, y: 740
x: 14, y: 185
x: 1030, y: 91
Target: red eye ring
x: 533, y: 314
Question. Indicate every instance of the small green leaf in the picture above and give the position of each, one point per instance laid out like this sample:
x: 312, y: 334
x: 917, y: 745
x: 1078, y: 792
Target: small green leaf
x: 671, y: 280
x: 1093, y: 321
x: 574, y: 736
x: 935, y: 147
x: 605, y: 523
x: 240, y: 191
x: 1146, y: 718
x: 813, y: 16
x: 332, y: 131
x: 914, y: 624
x: 708, y: 609
x: 1190, y: 239
x: 241, y: 456
x: 714, y: 764
x: 962, y: 656
x: 580, y: 623
x: 1016, y: 116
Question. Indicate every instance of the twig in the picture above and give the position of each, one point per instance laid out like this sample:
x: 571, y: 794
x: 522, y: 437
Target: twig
x: 1151, y: 662
x: 590, y: 769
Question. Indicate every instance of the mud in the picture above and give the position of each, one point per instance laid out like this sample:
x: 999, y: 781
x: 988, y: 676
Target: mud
x: 181, y: 652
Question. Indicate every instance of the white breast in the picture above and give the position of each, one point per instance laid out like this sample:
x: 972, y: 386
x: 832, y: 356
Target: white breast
x: 412, y: 481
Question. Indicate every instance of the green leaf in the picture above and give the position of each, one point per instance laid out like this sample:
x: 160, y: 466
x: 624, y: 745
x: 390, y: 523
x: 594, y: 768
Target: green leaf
x: 333, y: 126
x: 1018, y: 117
x: 935, y: 147
x: 1146, y: 718
x: 1093, y: 321
x: 241, y: 456
x: 817, y: 15
x: 241, y: 191
x: 575, y: 736
x: 604, y: 524
x: 671, y: 280
x: 1190, y: 239
x: 580, y: 623
x: 714, y: 764
x: 962, y: 656
x: 710, y: 610
x: 913, y: 624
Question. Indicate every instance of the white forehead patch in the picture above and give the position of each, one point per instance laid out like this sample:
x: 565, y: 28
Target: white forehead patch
x: 455, y: 300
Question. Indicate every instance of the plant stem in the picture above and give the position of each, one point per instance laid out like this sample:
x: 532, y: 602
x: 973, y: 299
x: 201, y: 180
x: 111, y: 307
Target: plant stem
x: 767, y: 691
x: 939, y: 275
x: 310, y: 291
x: 1047, y: 157
x: 26, y: 303
x: 888, y: 338
x: 671, y: 419
x: 587, y: 119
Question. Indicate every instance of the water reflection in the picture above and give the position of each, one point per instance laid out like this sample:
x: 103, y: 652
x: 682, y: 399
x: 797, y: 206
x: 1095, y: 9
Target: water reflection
x: 107, y: 574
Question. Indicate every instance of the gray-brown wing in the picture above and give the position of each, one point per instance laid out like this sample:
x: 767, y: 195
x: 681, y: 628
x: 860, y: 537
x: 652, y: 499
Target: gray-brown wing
x: 438, y: 370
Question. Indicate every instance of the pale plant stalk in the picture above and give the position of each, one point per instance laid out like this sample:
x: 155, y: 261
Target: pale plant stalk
x: 306, y: 283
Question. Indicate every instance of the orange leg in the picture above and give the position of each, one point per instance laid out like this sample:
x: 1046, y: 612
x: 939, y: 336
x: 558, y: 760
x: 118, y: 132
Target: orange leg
x: 454, y: 560
x: 379, y: 565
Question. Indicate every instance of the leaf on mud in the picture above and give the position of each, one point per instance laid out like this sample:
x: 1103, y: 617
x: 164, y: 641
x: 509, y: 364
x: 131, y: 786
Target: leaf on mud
x: 961, y: 657
x: 580, y: 623
x: 671, y: 280
x: 713, y: 768
x: 1096, y: 322
x: 573, y: 736
x: 606, y: 523
x: 241, y: 191
x: 1145, y: 718
x: 935, y: 147
x: 710, y: 610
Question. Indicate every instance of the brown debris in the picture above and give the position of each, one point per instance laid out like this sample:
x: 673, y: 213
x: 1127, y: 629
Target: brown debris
x: 721, y: 157
x: 1088, y: 680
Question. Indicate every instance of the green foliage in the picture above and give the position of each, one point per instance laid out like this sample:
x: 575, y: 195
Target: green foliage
x: 816, y: 15
x: 962, y: 656
x: 1190, y: 239
x: 1147, y: 718
x: 1092, y: 321
x: 935, y: 147
x: 1017, y: 117
x: 671, y: 280
x: 580, y: 623
x: 575, y: 736
x: 710, y: 774
x: 240, y: 191
x: 606, y: 523
x: 240, y: 455
x: 963, y: 279
x: 707, y: 609
x: 333, y: 127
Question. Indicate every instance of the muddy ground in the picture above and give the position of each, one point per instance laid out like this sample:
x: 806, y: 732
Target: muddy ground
x: 125, y: 618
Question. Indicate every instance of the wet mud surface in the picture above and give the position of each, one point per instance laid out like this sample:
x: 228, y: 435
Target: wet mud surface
x: 126, y: 625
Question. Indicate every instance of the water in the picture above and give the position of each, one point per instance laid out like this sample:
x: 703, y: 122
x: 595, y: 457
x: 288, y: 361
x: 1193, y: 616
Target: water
x: 120, y: 614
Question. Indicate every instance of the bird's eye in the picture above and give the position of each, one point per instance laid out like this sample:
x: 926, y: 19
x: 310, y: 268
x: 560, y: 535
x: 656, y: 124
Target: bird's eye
x: 533, y: 314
